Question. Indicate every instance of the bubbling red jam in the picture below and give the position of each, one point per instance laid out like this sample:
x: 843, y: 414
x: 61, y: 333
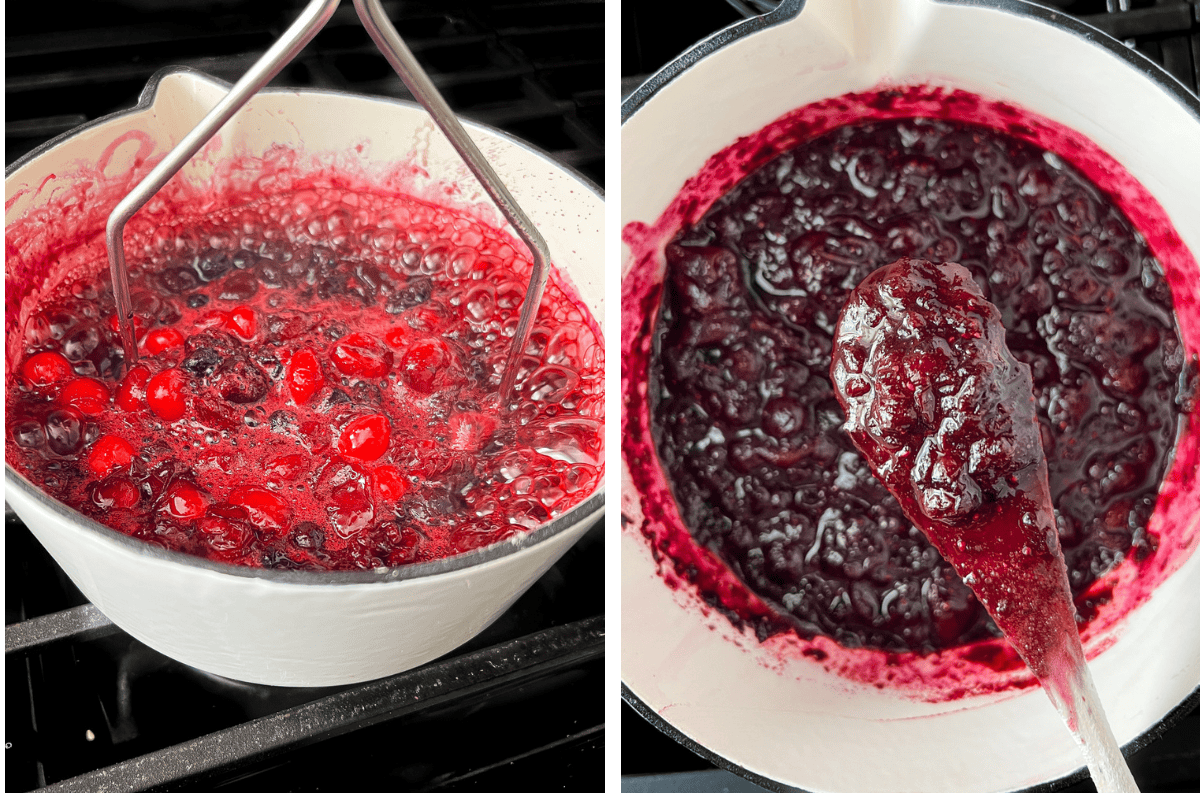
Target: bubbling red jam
x: 744, y: 417
x: 316, y: 388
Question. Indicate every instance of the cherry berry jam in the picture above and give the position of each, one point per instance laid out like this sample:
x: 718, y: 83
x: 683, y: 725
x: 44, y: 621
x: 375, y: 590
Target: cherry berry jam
x: 316, y: 388
x: 745, y: 419
x: 944, y: 414
x: 933, y: 398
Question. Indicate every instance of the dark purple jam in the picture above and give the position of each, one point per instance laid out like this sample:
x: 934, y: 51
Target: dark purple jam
x: 933, y: 398
x: 749, y: 430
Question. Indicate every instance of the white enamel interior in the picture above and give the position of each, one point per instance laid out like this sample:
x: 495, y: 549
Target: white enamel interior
x: 789, y: 721
x: 266, y: 631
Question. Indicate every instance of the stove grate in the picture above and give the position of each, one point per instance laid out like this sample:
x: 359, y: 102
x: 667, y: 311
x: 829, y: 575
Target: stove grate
x: 475, y: 676
x: 88, y: 707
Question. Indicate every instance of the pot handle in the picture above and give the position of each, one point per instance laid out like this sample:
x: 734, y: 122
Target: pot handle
x: 779, y: 11
x: 788, y: 9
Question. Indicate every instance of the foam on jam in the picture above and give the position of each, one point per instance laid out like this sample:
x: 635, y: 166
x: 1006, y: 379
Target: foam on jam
x: 735, y: 262
x: 317, y: 387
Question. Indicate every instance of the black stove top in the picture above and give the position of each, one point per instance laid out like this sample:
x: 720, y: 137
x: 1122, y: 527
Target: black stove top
x: 90, y: 708
x: 1168, y: 32
x: 533, y: 69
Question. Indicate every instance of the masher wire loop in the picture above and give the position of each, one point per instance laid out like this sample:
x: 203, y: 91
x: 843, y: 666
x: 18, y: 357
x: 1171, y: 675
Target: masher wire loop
x: 311, y: 20
x: 370, y: 12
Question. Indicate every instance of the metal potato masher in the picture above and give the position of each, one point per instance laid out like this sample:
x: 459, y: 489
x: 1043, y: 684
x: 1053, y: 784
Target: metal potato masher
x: 314, y: 17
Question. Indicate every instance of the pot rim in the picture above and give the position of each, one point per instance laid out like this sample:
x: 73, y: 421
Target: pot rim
x: 784, y: 12
x: 788, y: 9
x: 585, y: 510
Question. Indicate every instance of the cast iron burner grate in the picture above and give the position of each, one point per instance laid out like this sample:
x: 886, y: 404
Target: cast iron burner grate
x: 1167, y: 32
x: 87, y: 705
x: 521, y: 704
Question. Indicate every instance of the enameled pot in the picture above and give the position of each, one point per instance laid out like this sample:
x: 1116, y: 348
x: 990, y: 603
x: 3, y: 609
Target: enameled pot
x: 780, y: 719
x: 293, y: 628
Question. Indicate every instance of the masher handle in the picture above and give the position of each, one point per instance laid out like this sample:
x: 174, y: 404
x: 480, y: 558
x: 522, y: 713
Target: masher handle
x: 402, y: 60
x: 314, y: 17
x: 294, y: 39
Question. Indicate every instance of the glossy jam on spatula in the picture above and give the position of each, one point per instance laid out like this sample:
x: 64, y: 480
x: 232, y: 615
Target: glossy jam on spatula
x: 945, y: 416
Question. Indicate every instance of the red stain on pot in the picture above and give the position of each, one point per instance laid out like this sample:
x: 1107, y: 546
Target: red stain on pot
x: 684, y: 563
x: 145, y: 148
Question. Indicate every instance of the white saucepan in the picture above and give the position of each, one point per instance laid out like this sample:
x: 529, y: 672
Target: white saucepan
x: 784, y: 721
x: 292, y: 628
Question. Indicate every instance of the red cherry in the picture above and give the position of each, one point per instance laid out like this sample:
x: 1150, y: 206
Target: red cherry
x: 230, y: 512
x: 360, y: 355
x: 425, y: 457
x: 132, y: 390
x: 304, y: 376
x: 315, y: 435
x: 424, y: 363
x: 107, y: 453
x: 389, y: 483
x: 217, y: 414
x: 285, y: 467
x: 224, y: 535
x: 211, y: 524
x: 398, y: 337
x: 243, y: 322
x: 117, y: 491
x: 366, y: 438
x: 288, y: 325
x: 429, y: 318
x: 265, y: 509
x: 165, y: 394
x: 161, y: 339
x: 88, y: 396
x: 47, y: 368
x: 350, y: 508
x: 405, y: 542
x: 184, y: 500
